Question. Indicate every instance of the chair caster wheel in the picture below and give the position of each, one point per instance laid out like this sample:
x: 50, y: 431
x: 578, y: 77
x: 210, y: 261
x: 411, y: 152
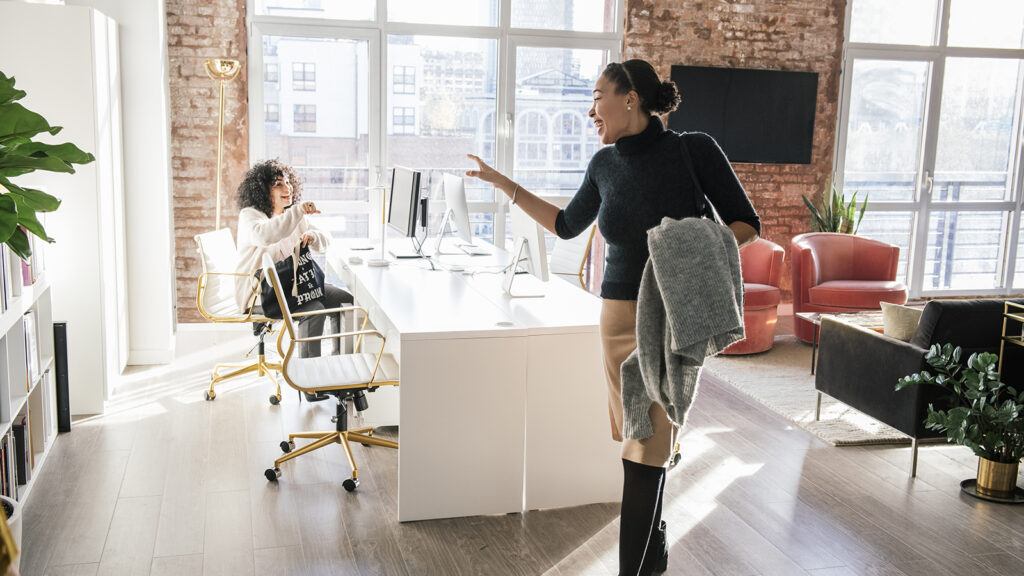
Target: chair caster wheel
x: 275, y: 399
x: 287, y: 446
x: 350, y: 484
x: 210, y: 395
x: 272, y: 474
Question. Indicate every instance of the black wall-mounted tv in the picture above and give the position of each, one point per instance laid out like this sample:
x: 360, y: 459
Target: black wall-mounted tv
x: 758, y: 116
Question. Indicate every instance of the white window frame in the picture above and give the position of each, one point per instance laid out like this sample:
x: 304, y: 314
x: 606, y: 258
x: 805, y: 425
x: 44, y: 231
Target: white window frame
x: 922, y: 205
x: 376, y: 32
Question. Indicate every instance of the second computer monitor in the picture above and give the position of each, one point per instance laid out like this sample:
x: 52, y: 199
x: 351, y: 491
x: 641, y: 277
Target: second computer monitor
x: 405, y: 199
x: 533, y: 233
x: 456, y: 206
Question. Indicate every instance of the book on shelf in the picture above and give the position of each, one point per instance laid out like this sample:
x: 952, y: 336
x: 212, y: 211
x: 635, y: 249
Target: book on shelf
x: 9, y: 483
x: 22, y: 462
x: 12, y: 275
x: 47, y: 418
x: 31, y: 349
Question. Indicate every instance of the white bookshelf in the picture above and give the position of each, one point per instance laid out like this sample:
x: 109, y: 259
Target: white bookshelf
x: 22, y: 397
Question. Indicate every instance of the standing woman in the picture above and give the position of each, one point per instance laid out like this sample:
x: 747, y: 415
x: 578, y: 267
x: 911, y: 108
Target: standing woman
x: 629, y: 187
x: 272, y: 221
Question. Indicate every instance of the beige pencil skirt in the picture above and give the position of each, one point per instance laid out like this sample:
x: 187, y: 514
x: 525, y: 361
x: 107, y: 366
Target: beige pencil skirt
x: 618, y: 340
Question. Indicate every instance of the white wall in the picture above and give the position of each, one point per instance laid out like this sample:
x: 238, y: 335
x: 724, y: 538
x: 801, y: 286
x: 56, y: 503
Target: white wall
x: 147, y: 175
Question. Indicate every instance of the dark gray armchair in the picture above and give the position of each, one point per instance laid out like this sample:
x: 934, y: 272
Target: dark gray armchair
x: 860, y: 367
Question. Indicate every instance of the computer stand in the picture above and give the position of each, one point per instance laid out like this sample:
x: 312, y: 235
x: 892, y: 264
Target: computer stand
x: 510, y: 274
x: 446, y: 223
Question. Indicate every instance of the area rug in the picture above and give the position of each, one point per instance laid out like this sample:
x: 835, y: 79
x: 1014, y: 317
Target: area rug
x: 781, y: 380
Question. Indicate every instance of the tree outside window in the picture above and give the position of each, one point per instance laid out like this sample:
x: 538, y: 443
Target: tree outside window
x: 303, y: 76
x: 305, y: 118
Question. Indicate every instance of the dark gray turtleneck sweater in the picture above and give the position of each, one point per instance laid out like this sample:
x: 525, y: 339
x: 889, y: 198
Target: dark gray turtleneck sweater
x: 630, y: 186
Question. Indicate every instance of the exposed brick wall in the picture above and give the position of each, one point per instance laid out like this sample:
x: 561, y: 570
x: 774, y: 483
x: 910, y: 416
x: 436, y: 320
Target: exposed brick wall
x: 198, y: 30
x: 799, y: 35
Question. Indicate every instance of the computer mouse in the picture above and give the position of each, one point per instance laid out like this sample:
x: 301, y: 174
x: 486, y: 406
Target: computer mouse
x: 355, y: 260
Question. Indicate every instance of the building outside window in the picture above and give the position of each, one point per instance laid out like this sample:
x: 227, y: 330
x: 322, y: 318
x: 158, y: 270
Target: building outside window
x: 304, y: 76
x: 272, y: 112
x: 305, y: 118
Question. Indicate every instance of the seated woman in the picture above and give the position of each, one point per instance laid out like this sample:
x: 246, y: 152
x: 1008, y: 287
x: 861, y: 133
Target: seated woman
x: 272, y: 221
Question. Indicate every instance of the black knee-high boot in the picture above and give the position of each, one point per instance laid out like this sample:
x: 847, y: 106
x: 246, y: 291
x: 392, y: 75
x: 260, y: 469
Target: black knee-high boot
x: 641, y: 495
x: 656, y: 558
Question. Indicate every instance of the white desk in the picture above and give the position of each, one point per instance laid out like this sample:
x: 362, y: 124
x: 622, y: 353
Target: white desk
x: 503, y: 402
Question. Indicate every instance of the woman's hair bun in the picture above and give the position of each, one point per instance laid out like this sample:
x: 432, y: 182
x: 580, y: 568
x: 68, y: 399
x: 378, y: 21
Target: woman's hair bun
x: 667, y: 99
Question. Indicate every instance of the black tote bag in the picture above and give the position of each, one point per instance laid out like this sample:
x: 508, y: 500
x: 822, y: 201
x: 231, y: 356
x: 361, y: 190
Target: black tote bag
x: 302, y: 281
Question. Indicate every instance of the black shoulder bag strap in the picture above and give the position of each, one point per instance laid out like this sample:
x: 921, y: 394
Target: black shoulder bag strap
x: 704, y: 207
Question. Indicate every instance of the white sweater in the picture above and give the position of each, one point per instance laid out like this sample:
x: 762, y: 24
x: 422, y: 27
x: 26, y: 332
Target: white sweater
x: 258, y: 235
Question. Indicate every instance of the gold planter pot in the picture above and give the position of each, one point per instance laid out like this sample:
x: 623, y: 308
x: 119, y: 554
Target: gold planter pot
x: 997, y: 479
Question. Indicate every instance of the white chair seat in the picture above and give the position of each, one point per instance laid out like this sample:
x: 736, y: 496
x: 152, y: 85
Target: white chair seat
x: 339, y: 371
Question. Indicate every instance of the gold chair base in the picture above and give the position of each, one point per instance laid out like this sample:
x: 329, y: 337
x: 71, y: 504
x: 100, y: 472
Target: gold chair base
x: 260, y: 366
x: 320, y: 439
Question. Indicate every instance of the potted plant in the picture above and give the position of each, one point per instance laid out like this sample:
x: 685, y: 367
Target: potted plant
x: 19, y: 155
x: 835, y: 214
x: 983, y: 414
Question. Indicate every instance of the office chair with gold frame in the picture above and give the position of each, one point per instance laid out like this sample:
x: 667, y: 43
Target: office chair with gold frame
x: 569, y: 257
x: 215, y: 299
x: 348, y: 377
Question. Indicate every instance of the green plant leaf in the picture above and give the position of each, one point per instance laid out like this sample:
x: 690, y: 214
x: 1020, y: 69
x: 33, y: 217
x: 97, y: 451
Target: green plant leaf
x: 19, y: 243
x: 8, y: 216
x: 67, y: 152
x: 36, y: 199
x: 16, y: 121
x: 8, y: 93
x: 18, y: 165
x: 860, y: 216
x: 816, y: 219
x: 27, y: 219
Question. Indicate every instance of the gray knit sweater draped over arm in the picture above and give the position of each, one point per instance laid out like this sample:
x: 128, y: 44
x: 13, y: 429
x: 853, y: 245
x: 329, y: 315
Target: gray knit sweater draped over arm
x: 690, y: 306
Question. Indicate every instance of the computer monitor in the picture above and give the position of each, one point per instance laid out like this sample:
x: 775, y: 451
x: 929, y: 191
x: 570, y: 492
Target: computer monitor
x: 532, y: 234
x: 405, y: 200
x: 456, y: 208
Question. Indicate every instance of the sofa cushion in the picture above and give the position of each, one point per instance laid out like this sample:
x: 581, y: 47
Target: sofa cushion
x: 900, y: 322
x: 858, y: 294
x: 757, y: 296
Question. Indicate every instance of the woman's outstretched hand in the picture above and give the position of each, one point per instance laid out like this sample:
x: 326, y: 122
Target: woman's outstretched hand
x: 486, y: 173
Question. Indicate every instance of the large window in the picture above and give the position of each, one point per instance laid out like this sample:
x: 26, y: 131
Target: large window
x: 930, y: 125
x: 421, y: 84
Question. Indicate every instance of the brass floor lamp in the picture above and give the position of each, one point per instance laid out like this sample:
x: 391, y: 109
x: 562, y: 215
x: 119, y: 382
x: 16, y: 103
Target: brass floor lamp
x: 222, y: 70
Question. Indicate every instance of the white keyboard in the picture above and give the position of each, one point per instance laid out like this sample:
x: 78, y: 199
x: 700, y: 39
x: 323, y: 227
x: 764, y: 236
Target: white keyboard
x: 473, y: 250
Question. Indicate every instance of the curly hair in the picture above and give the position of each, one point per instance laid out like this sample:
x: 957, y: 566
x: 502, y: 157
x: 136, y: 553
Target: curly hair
x: 254, y: 191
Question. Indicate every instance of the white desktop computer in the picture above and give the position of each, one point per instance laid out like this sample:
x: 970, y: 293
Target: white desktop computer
x: 528, y: 249
x: 456, y: 214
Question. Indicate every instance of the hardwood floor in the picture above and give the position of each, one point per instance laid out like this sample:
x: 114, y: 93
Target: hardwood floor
x: 166, y: 483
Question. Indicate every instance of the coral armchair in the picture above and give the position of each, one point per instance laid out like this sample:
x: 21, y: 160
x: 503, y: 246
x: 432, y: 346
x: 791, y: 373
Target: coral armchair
x: 841, y: 273
x: 761, y: 263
